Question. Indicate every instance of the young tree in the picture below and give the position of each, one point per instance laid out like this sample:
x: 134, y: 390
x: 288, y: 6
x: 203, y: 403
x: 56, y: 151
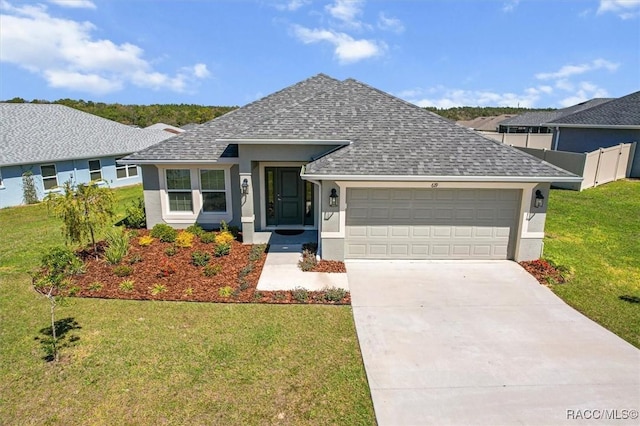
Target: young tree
x: 84, y: 210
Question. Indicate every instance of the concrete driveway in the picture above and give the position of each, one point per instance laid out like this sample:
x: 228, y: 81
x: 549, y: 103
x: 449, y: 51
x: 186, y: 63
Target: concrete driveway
x: 473, y: 342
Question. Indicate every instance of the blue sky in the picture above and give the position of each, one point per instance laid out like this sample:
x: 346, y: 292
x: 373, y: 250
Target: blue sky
x: 532, y: 53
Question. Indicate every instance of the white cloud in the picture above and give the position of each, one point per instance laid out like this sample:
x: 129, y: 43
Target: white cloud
x: 66, y: 55
x: 346, y: 10
x: 625, y: 9
x: 390, y: 24
x: 586, y: 90
x: 347, y: 49
x: 441, y: 97
x: 509, y: 6
x: 571, y: 70
x: 76, y: 4
x: 292, y: 5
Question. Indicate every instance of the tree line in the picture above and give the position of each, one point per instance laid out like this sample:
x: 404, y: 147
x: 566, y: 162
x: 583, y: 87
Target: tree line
x: 181, y: 114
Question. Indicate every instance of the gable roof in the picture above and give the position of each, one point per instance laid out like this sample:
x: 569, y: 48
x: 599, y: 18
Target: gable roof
x: 538, y: 118
x: 485, y: 123
x: 36, y: 133
x: 389, y: 137
x: 621, y: 112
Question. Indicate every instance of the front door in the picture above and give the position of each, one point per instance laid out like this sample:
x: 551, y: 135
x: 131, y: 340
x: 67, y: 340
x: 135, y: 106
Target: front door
x: 289, y: 200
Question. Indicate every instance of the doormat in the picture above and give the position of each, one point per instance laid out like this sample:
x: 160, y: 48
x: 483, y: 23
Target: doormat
x: 289, y: 231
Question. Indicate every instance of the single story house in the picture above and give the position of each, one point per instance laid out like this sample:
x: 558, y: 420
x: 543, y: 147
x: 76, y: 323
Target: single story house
x: 57, y: 143
x: 604, y: 125
x: 375, y: 176
x: 485, y: 124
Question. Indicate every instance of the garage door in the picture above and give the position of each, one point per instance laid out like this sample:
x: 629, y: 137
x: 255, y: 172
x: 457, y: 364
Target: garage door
x: 402, y: 223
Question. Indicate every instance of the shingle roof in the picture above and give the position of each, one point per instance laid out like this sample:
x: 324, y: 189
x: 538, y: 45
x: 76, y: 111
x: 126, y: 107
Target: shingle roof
x: 485, y: 123
x: 35, y: 133
x: 624, y: 111
x: 538, y: 118
x: 389, y: 136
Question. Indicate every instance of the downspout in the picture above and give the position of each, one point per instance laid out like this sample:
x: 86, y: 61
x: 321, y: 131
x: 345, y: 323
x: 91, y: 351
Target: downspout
x: 557, y: 139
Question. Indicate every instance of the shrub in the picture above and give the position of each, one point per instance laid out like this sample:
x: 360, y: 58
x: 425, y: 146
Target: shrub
x: 207, y: 237
x: 224, y: 237
x: 60, y: 262
x: 280, y: 295
x: 157, y: 289
x: 310, y: 247
x: 166, y: 269
x: 188, y: 291
x: 136, y: 258
x: 164, y: 233
x: 221, y: 250
x: 256, y: 252
x: 29, y: 192
x: 95, y: 286
x: 200, y: 258
x: 136, y: 217
x: 225, y: 292
x: 195, y: 229
x: 334, y: 294
x: 300, y: 294
x: 127, y: 285
x: 184, y: 239
x: 171, y: 250
x: 308, y: 261
x: 212, y: 270
x: 122, y: 270
x: 117, y: 239
x: 145, y: 240
x: 235, y: 231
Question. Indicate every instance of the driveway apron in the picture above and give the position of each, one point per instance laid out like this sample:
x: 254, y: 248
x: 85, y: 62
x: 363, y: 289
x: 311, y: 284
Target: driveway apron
x: 481, y: 342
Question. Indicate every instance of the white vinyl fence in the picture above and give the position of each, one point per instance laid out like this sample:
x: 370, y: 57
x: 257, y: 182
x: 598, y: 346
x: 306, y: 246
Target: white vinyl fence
x: 522, y: 140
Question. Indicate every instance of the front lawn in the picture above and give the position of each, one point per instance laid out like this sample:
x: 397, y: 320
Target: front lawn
x: 153, y: 362
x: 597, y: 233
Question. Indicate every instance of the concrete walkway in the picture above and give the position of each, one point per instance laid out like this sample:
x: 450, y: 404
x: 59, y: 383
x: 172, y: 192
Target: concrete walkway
x: 281, y: 271
x: 482, y: 343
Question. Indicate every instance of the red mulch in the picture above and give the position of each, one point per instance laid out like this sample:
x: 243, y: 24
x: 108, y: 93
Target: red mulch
x: 543, y: 271
x: 180, y: 279
x: 330, y: 266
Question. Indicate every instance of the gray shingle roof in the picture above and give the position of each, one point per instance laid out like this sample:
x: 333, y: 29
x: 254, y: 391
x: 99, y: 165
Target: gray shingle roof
x: 36, y: 133
x: 389, y: 136
x: 624, y: 111
x: 538, y: 118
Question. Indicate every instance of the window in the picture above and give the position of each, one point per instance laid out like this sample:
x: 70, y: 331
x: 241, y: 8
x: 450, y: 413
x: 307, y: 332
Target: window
x: 125, y: 170
x: 179, y: 190
x: 49, y: 176
x: 1, y: 183
x: 95, y: 170
x: 214, y: 195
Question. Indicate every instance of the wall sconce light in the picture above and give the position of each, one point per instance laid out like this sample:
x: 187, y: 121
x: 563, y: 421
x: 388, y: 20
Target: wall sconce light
x: 539, y: 199
x: 333, y: 198
x: 245, y: 187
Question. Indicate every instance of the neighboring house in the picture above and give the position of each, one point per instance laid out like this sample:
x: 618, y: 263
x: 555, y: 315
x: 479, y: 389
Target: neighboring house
x: 534, y: 122
x: 167, y: 128
x: 604, y: 125
x: 486, y: 124
x: 57, y: 143
x: 377, y: 177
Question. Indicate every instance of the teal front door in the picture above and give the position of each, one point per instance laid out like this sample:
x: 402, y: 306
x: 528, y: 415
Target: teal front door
x: 289, y: 199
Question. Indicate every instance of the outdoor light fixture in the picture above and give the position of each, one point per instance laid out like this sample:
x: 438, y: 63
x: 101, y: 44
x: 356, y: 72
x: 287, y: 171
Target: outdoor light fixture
x: 539, y: 199
x: 245, y: 187
x: 333, y: 198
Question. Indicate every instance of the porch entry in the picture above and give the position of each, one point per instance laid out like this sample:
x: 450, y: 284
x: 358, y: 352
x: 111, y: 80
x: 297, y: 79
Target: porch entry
x: 289, y: 199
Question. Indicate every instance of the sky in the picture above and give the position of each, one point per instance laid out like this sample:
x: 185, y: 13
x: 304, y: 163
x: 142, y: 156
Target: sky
x: 442, y: 53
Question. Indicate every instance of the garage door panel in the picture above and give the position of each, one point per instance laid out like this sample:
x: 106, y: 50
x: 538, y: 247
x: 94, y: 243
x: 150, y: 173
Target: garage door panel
x: 430, y: 223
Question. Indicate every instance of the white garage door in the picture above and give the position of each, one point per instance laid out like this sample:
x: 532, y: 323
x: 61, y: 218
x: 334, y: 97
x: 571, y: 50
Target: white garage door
x: 399, y: 223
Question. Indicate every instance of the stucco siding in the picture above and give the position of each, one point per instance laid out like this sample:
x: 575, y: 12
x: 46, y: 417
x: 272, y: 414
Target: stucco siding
x: 587, y: 140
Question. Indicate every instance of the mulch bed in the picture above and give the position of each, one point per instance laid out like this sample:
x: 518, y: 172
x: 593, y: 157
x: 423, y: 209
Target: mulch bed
x: 332, y: 266
x: 544, y: 272
x: 157, y: 276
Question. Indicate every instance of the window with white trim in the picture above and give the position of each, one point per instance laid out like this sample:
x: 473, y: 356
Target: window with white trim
x: 49, y: 176
x: 179, y: 190
x: 95, y: 170
x: 214, y: 193
x: 124, y: 171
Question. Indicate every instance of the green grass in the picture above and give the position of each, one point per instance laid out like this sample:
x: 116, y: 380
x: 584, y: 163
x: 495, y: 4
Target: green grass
x: 597, y: 233
x: 169, y: 362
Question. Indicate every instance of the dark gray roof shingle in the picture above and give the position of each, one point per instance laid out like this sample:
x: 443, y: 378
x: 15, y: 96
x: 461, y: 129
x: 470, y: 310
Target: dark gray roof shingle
x: 538, y: 118
x: 36, y: 133
x: 624, y: 111
x: 389, y: 136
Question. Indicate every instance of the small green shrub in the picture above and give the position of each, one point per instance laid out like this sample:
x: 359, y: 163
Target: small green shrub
x: 280, y: 295
x: 221, y: 250
x: 334, y: 294
x: 244, y: 284
x: 136, y: 258
x: 185, y: 239
x: 122, y: 270
x: 300, y: 294
x: 117, y: 239
x: 167, y: 268
x: 145, y: 240
x: 200, y: 258
x: 195, y: 229
x: 127, y: 285
x: 171, y: 250
x: 164, y: 233
x: 207, y: 237
x: 308, y: 261
x: 157, y: 289
x: 257, y: 296
x: 72, y: 291
x: 256, y: 252
x: 225, y: 292
x: 212, y: 270
x: 60, y: 262
x: 95, y: 286
x: 224, y: 237
x: 136, y: 217
x: 188, y: 291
